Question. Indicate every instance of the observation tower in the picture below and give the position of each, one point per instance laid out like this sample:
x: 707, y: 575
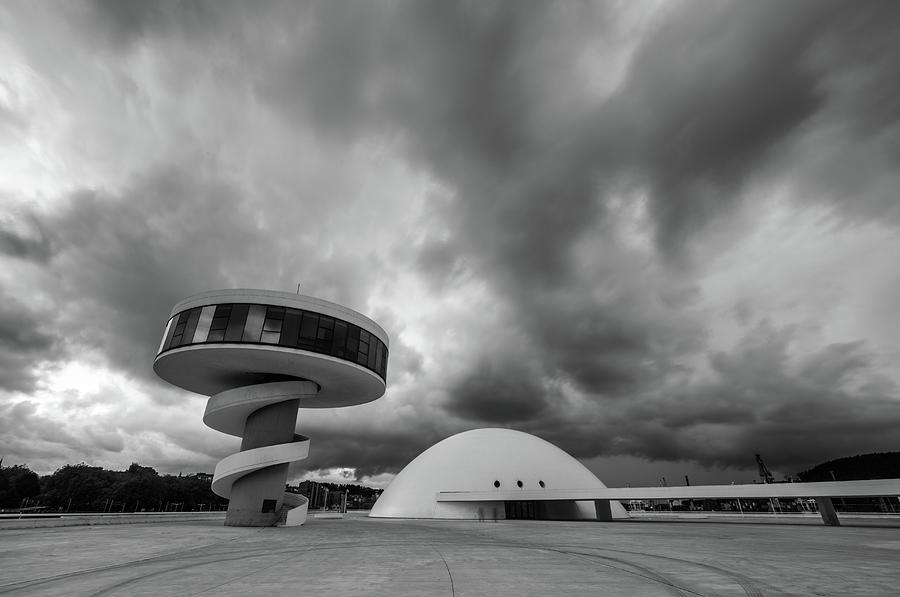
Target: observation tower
x: 260, y: 355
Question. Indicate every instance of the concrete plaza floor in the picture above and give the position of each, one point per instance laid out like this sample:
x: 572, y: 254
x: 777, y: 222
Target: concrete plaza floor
x: 361, y: 556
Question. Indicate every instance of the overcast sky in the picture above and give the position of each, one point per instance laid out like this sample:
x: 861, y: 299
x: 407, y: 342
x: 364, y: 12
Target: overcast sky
x: 661, y: 235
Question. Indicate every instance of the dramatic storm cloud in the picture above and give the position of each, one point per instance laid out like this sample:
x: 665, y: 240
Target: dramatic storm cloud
x: 662, y: 235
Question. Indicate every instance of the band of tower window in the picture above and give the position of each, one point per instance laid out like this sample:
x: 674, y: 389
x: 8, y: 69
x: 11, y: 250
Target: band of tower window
x: 280, y: 326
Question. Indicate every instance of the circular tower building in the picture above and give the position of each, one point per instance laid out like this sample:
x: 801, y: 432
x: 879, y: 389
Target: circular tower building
x: 260, y: 355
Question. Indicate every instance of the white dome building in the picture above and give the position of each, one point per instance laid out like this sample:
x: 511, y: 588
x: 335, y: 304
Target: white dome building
x: 486, y: 460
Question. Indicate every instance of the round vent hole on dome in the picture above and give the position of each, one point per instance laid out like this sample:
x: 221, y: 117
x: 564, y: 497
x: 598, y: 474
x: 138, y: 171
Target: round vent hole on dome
x: 496, y: 483
x: 519, y: 483
x: 541, y: 483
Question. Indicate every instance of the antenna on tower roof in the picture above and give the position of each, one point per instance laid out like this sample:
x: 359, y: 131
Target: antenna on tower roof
x: 298, y: 287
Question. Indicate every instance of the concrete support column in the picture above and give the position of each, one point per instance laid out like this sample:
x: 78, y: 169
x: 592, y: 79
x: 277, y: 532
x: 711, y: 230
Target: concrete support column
x: 826, y: 509
x: 256, y: 498
x: 604, y: 511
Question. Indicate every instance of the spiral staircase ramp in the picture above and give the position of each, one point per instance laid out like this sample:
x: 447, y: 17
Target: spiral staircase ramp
x: 228, y: 412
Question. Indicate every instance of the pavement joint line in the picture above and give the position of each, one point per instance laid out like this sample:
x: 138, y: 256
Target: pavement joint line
x: 15, y: 586
x: 648, y: 574
x: 746, y: 583
x: 144, y: 561
x: 452, y: 589
x: 133, y: 579
x: 240, y: 577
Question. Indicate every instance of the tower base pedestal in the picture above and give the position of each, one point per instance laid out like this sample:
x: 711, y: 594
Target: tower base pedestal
x: 257, y: 495
x: 256, y: 498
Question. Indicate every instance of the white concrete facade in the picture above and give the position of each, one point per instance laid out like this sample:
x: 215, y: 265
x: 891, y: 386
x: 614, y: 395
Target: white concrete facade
x: 260, y: 355
x: 480, y: 460
x: 823, y: 492
x: 867, y: 488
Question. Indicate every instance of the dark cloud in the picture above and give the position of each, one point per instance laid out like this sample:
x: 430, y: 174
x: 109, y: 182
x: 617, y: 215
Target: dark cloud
x: 26, y: 340
x: 30, y: 436
x: 585, y: 217
x: 127, y: 22
x: 498, y: 391
x: 453, y: 83
x: 760, y: 401
x: 852, y: 155
x: 440, y: 262
x: 124, y: 260
x: 26, y: 239
x: 371, y: 452
x: 709, y: 95
x: 19, y: 421
x: 765, y: 400
x: 611, y: 347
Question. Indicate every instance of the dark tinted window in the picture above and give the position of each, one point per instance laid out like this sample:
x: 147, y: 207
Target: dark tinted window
x: 308, y: 330
x: 219, y: 323
x: 220, y: 319
x: 363, y: 347
x: 273, y: 314
x: 323, y: 339
x: 193, y: 318
x: 338, y: 347
x: 179, y: 328
x: 372, y: 351
x: 363, y: 356
x: 290, y: 330
x: 352, y: 342
x: 236, y: 322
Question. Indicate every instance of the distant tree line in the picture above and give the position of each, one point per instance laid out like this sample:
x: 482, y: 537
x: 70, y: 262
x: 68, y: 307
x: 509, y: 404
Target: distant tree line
x: 83, y: 488
x: 880, y: 465
x: 17, y: 483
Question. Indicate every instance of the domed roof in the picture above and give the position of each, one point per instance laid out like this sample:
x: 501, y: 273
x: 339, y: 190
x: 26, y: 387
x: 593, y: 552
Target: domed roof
x: 474, y: 461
